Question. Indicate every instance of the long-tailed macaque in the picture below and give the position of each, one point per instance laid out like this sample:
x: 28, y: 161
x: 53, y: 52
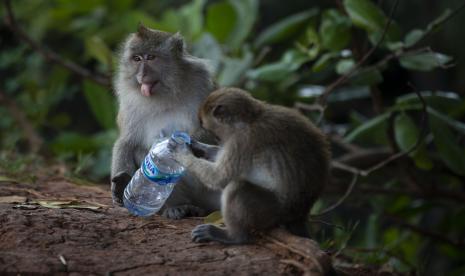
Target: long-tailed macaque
x: 160, y: 88
x: 271, y: 166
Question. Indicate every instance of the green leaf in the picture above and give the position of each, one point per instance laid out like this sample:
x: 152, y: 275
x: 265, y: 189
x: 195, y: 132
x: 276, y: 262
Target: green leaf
x: 208, y: 48
x: 13, y: 199
x: 102, y: 104
x: 4, y: 178
x: 447, y: 120
x: 406, y: 135
x: 99, y: 50
x: 285, y: 28
x: 275, y: 72
x: 413, y: 37
x: 309, y: 43
x: 334, y: 30
x: 450, y: 152
x: 73, y: 142
x: 344, y: 66
x: 439, y: 100
x: 368, y: 127
x: 365, y: 14
x: 231, y: 21
x: 323, y: 61
x: 424, y: 61
x: 66, y: 204
x: 246, y: 12
x: 395, y: 46
x: 406, y: 132
x: 191, y: 19
x: 349, y: 93
x: 214, y: 218
x: 220, y: 20
x: 439, y: 20
x: 366, y: 77
x: 234, y: 68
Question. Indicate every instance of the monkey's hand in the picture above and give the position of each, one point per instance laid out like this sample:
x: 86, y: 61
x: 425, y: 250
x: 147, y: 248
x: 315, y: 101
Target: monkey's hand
x: 118, y: 184
x: 205, y: 151
x: 181, y: 153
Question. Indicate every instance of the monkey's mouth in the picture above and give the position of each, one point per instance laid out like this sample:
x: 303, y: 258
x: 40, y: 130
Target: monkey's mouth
x: 148, y: 89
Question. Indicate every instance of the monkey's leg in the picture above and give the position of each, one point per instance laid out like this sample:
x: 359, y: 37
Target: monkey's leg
x: 245, y: 208
x: 181, y: 211
x: 122, y: 169
x: 190, y: 198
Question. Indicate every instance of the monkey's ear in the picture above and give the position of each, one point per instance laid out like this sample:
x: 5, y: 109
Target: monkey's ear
x: 142, y: 31
x: 176, y: 43
x: 219, y: 111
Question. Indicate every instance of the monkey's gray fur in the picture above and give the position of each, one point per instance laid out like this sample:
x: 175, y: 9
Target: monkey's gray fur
x: 271, y: 166
x: 159, y: 88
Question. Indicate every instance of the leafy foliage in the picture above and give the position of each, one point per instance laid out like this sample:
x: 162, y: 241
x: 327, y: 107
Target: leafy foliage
x: 292, y: 59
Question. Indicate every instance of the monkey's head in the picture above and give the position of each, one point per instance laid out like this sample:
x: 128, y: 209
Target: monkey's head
x: 228, y: 110
x: 150, y: 61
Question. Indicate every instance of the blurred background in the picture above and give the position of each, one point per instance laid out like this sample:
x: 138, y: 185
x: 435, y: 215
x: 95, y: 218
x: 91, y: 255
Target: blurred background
x: 57, y: 105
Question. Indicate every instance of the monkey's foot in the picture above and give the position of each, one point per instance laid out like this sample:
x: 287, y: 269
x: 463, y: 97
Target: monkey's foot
x: 118, y: 184
x: 179, y: 212
x: 204, y: 233
x: 209, y: 232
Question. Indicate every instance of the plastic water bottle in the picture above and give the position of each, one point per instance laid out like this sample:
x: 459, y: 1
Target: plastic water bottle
x: 152, y: 184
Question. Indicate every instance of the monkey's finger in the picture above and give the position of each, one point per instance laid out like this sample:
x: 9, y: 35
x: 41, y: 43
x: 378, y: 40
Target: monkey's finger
x: 200, y: 238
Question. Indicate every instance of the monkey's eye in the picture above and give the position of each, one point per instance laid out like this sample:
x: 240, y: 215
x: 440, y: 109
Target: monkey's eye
x: 136, y: 58
x: 150, y: 57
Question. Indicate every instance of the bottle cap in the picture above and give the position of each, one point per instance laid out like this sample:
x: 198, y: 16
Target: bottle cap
x: 181, y: 138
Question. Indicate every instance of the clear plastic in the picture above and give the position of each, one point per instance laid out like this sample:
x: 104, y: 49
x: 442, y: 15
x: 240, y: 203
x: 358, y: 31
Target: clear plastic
x: 154, y: 181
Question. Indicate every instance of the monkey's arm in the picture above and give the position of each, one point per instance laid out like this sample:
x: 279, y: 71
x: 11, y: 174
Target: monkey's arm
x: 215, y: 175
x: 122, y: 168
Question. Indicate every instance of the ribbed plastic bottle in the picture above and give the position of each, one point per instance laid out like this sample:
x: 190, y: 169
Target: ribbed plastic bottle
x: 154, y: 181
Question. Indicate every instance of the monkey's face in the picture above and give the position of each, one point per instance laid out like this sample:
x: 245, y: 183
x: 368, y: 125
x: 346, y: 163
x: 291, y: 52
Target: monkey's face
x: 227, y: 111
x: 149, y: 61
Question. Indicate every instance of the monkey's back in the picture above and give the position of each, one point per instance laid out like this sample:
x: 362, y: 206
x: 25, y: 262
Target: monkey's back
x: 299, y: 150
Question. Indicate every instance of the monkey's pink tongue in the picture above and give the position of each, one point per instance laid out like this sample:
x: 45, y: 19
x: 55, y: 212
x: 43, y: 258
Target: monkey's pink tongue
x: 146, y: 88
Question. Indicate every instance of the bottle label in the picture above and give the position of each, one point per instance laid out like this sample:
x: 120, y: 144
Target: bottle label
x: 153, y: 174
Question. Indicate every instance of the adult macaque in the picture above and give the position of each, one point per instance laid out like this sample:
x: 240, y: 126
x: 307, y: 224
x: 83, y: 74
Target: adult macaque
x: 271, y: 166
x: 160, y: 88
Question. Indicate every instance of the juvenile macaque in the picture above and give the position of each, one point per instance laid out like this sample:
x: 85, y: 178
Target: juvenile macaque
x: 160, y: 88
x: 271, y: 166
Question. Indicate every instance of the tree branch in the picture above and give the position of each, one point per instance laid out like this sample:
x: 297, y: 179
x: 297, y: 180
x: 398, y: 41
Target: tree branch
x: 342, y: 79
x: 357, y: 172
x: 48, y: 54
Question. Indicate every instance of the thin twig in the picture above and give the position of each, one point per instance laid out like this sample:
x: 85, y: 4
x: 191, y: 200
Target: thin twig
x: 357, y: 172
x: 313, y: 259
x: 34, y: 140
x: 326, y: 223
x: 48, y: 54
x: 301, y: 266
x: 343, y: 198
x: 444, y: 20
x: 342, y: 79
